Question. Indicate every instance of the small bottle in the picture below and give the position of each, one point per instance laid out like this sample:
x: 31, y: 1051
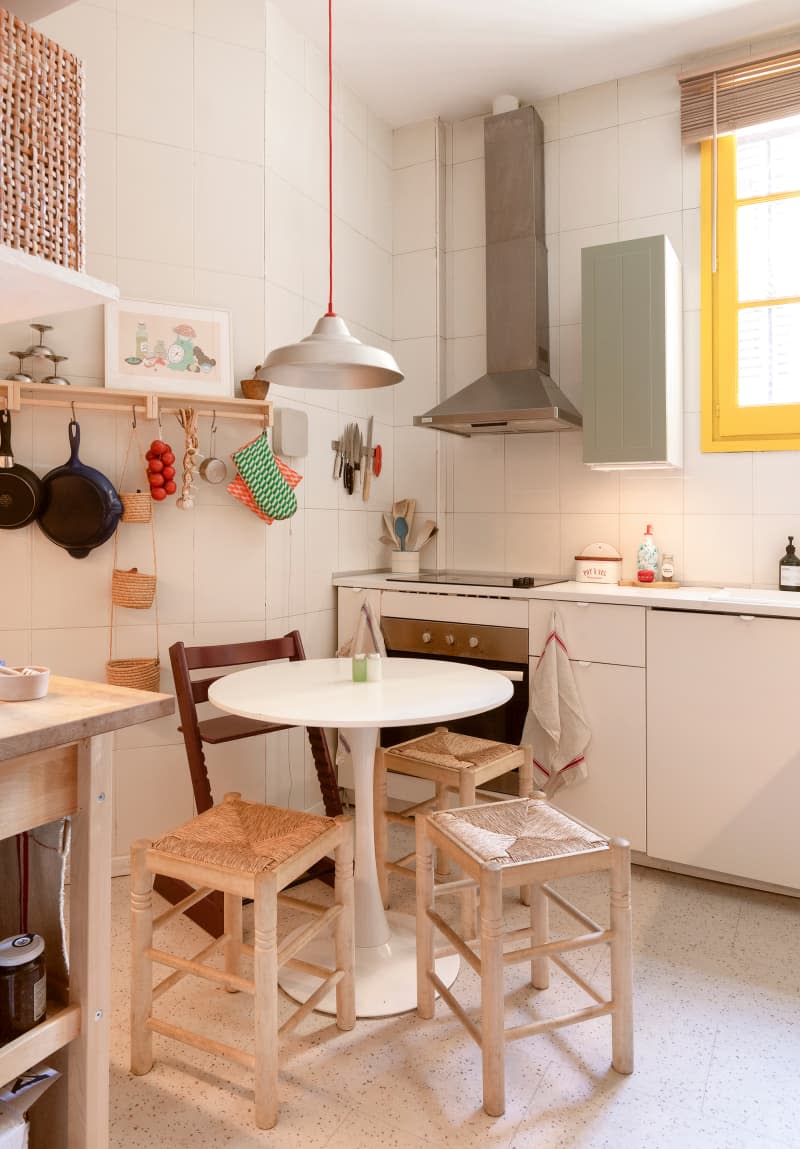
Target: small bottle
x: 667, y: 567
x: 374, y: 668
x: 789, y: 569
x: 359, y: 668
x: 647, y: 558
x: 142, y: 343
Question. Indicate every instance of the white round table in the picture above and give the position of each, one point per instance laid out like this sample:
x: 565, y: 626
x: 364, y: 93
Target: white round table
x: 320, y: 692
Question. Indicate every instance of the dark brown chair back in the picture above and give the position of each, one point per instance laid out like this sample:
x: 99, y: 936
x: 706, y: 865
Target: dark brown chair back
x: 228, y: 728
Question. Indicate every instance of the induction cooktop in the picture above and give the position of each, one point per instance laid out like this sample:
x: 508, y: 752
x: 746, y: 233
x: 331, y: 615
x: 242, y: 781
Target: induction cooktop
x: 477, y: 578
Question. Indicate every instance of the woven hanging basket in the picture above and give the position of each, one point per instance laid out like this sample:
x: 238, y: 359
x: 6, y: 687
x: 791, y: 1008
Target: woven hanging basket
x: 137, y: 506
x: 135, y: 673
x: 133, y: 589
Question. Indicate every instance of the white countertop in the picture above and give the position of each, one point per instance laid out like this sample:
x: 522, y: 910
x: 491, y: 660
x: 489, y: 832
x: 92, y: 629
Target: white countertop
x: 726, y: 600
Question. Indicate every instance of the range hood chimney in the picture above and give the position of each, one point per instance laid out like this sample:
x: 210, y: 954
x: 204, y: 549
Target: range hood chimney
x: 516, y: 394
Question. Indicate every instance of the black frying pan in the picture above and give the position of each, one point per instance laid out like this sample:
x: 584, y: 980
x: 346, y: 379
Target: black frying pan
x: 20, y: 488
x: 80, y: 507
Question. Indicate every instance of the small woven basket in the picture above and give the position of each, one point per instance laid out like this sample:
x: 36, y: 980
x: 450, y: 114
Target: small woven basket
x: 137, y: 506
x: 135, y: 673
x: 132, y: 589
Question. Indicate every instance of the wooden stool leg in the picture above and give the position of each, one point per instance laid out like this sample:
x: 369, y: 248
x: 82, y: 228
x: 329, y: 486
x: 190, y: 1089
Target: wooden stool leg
x: 621, y: 976
x: 526, y: 791
x: 380, y: 799
x: 492, y: 996
x: 344, y: 929
x: 469, y: 908
x: 266, y: 1001
x: 233, y: 928
x: 141, y: 965
x: 425, y: 965
x: 540, y: 932
x: 442, y: 865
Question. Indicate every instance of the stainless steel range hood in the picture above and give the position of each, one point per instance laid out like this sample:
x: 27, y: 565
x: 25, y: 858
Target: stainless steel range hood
x: 517, y: 393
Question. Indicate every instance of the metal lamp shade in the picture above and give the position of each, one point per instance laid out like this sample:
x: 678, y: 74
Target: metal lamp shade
x: 330, y: 358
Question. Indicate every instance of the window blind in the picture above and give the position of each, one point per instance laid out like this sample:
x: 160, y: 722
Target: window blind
x: 733, y: 96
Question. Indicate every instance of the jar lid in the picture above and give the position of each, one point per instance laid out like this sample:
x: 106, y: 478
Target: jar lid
x: 19, y: 949
x: 600, y: 551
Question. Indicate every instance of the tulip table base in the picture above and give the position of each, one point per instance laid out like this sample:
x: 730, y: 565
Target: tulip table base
x: 386, y: 975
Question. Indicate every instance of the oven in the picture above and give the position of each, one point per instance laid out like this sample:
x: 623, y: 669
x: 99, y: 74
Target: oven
x: 479, y: 630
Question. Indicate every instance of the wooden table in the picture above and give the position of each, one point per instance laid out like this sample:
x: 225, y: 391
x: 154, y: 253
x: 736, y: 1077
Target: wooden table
x: 55, y: 761
x: 320, y: 692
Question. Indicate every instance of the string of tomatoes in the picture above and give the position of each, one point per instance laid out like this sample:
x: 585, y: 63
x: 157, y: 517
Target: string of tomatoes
x: 161, y: 470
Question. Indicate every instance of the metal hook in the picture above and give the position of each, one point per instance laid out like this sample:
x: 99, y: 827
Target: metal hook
x: 213, y: 422
x: 74, y: 417
x: 133, y: 410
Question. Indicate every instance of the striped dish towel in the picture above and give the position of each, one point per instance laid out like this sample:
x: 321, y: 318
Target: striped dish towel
x: 555, y: 725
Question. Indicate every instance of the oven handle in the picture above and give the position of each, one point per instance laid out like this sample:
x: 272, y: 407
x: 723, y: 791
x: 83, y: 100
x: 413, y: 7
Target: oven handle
x: 512, y: 675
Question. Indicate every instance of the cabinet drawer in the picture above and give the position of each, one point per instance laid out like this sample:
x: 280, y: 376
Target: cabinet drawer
x: 592, y: 631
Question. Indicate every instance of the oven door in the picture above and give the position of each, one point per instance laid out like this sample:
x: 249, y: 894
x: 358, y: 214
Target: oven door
x: 503, y: 649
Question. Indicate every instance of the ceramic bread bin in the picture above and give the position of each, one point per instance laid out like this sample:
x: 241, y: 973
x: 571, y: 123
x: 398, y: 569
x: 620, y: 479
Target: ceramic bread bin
x: 599, y: 562
x: 23, y: 683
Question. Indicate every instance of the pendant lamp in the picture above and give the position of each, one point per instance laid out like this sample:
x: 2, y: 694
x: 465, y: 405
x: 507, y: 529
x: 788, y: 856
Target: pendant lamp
x: 330, y: 357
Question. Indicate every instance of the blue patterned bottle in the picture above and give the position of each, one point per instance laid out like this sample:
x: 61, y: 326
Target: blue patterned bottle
x: 647, y: 558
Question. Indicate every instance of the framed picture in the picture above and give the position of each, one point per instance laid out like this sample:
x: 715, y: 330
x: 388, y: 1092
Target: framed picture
x: 168, y: 347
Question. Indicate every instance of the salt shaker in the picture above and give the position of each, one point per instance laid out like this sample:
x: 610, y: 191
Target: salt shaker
x: 374, y: 668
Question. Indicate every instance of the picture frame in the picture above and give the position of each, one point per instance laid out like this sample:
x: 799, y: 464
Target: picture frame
x: 170, y: 348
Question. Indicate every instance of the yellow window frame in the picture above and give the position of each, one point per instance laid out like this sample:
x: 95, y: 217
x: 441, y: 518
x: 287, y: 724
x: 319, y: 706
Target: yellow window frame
x: 725, y: 426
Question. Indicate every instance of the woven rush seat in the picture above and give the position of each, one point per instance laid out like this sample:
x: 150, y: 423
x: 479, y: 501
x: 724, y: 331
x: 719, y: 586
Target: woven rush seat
x: 522, y: 842
x: 242, y: 850
x: 244, y: 836
x: 457, y: 764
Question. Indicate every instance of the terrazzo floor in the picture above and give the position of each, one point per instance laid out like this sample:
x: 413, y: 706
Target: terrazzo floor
x: 717, y: 1046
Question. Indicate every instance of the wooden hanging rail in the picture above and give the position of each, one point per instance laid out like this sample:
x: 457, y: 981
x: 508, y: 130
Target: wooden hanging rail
x: 147, y: 404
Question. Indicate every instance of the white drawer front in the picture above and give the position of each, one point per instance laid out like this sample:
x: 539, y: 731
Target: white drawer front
x: 592, y: 631
x: 455, y: 608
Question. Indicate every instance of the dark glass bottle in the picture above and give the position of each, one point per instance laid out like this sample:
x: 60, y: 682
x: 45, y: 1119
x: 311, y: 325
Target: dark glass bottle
x: 789, y: 569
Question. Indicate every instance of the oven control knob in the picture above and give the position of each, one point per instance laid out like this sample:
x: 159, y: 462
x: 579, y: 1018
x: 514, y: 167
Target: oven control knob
x: 426, y: 636
x: 449, y: 639
x: 473, y: 641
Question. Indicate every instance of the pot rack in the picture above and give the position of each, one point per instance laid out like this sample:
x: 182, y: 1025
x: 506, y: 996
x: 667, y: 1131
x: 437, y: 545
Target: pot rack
x: 15, y: 395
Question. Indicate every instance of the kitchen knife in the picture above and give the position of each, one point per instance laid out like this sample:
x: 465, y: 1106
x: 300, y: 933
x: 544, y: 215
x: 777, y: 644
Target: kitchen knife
x: 356, y: 455
x: 366, y: 482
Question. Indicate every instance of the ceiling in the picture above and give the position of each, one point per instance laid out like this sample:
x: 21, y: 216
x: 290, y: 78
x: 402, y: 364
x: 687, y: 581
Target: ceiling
x: 411, y: 59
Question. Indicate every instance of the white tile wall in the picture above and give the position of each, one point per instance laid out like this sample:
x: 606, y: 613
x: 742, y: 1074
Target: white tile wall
x: 208, y: 184
x: 614, y: 169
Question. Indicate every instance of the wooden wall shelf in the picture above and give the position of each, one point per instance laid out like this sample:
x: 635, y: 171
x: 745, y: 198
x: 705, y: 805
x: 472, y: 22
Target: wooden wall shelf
x: 145, y: 404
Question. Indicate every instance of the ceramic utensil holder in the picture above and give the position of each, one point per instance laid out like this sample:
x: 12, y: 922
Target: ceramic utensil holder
x: 405, y: 562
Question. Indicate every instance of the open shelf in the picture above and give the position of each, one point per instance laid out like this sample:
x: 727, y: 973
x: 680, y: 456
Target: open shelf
x: 62, y: 1024
x: 146, y: 404
x: 32, y: 286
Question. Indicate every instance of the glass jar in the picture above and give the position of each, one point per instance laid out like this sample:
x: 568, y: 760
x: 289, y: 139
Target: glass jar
x: 667, y: 567
x: 23, y: 985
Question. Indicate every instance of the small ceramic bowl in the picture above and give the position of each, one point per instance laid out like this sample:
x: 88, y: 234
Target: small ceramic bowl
x: 24, y: 687
x: 254, y: 388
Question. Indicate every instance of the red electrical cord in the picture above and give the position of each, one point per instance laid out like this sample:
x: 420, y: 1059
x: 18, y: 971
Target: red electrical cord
x: 330, y: 310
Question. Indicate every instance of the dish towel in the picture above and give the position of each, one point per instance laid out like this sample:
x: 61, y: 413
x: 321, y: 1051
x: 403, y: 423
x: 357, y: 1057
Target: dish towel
x: 555, y: 725
x: 365, y: 639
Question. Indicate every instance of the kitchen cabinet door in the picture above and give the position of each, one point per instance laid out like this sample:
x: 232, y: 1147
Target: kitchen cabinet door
x: 723, y: 753
x: 632, y: 353
x: 612, y: 798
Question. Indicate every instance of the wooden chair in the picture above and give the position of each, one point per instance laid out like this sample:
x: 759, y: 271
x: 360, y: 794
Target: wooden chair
x: 528, y: 842
x: 456, y: 764
x: 243, y: 849
x: 196, y: 732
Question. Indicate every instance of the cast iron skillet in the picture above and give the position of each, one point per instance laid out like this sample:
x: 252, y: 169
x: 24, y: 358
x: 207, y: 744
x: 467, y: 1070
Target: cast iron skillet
x: 80, y: 508
x: 20, y: 488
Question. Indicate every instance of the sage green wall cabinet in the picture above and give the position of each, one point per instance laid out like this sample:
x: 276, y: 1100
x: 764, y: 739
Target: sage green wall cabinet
x: 632, y: 354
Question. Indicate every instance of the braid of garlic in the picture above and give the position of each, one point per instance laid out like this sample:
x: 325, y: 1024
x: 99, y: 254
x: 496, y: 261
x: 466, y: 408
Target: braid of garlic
x: 187, y: 417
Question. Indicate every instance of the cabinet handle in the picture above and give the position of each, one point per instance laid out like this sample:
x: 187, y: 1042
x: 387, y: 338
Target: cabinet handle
x: 747, y: 617
x: 582, y: 663
x: 582, y: 604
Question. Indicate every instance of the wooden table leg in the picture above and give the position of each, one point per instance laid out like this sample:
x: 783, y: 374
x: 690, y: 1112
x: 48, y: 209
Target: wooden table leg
x: 90, y: 945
